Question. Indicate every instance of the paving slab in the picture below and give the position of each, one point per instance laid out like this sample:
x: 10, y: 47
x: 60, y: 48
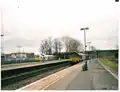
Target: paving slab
x: 96, y: 78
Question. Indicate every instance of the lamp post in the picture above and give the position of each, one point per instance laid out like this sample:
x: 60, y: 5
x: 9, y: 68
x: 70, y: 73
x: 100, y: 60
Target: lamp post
x: 85, y: 67
x: 19, y: 52
x: 2, y: 35
x: 89, y: 46
x: 23, y: 54
x: 89, y: 50
x: 2, y: 53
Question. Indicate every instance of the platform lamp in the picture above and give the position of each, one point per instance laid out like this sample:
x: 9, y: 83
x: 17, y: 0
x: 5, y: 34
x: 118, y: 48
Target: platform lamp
x: 85, y: 67
x: 89, y: 47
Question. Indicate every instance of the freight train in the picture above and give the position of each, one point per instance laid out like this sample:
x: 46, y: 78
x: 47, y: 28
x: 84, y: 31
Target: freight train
x: 79, y: 57
x: 73, y: 57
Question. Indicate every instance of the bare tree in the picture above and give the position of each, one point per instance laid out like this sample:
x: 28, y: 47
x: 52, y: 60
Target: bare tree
x: 49, y: 40
x: 57, y: 45
x: 66, y: 41
x: 46, y: 46
x: 94, y: 53
x: 60, y: 45
x: 93, y: 48
x: 43, y: 46
x: 71, y: 44
x: 117, y: 47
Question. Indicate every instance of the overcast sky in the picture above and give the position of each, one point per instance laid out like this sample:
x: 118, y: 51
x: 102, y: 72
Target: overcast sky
x: 27, y: 22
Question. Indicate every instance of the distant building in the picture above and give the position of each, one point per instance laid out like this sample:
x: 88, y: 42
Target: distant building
x: 47, y: 57
x: 20, y: 55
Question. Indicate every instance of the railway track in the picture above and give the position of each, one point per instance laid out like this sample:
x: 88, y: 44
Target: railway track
x: 16, y: 78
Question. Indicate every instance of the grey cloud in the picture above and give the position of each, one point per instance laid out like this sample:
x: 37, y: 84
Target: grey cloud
x: 13, y: 42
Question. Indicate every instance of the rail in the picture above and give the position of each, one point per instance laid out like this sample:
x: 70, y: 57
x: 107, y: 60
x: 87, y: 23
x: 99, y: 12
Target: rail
x: 14, y: 75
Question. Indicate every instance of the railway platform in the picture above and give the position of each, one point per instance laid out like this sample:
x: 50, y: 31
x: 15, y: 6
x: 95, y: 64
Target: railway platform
x: 28, y: 64
x: 96, y: 78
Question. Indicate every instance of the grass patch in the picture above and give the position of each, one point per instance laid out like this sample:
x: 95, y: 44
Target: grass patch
x: 109, y: 63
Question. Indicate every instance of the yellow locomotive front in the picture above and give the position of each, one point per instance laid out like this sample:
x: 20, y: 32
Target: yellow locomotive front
x: 37, y: 59
x: 75, y: 58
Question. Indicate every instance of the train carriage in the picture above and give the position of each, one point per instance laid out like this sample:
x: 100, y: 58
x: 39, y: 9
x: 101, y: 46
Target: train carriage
x: 78, y: 57
x: 75, y: 58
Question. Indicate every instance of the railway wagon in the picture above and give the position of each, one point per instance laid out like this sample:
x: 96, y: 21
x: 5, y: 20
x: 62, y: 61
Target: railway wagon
x: 73, y: 57
x: 37, y: 59
x: 76, y: 58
